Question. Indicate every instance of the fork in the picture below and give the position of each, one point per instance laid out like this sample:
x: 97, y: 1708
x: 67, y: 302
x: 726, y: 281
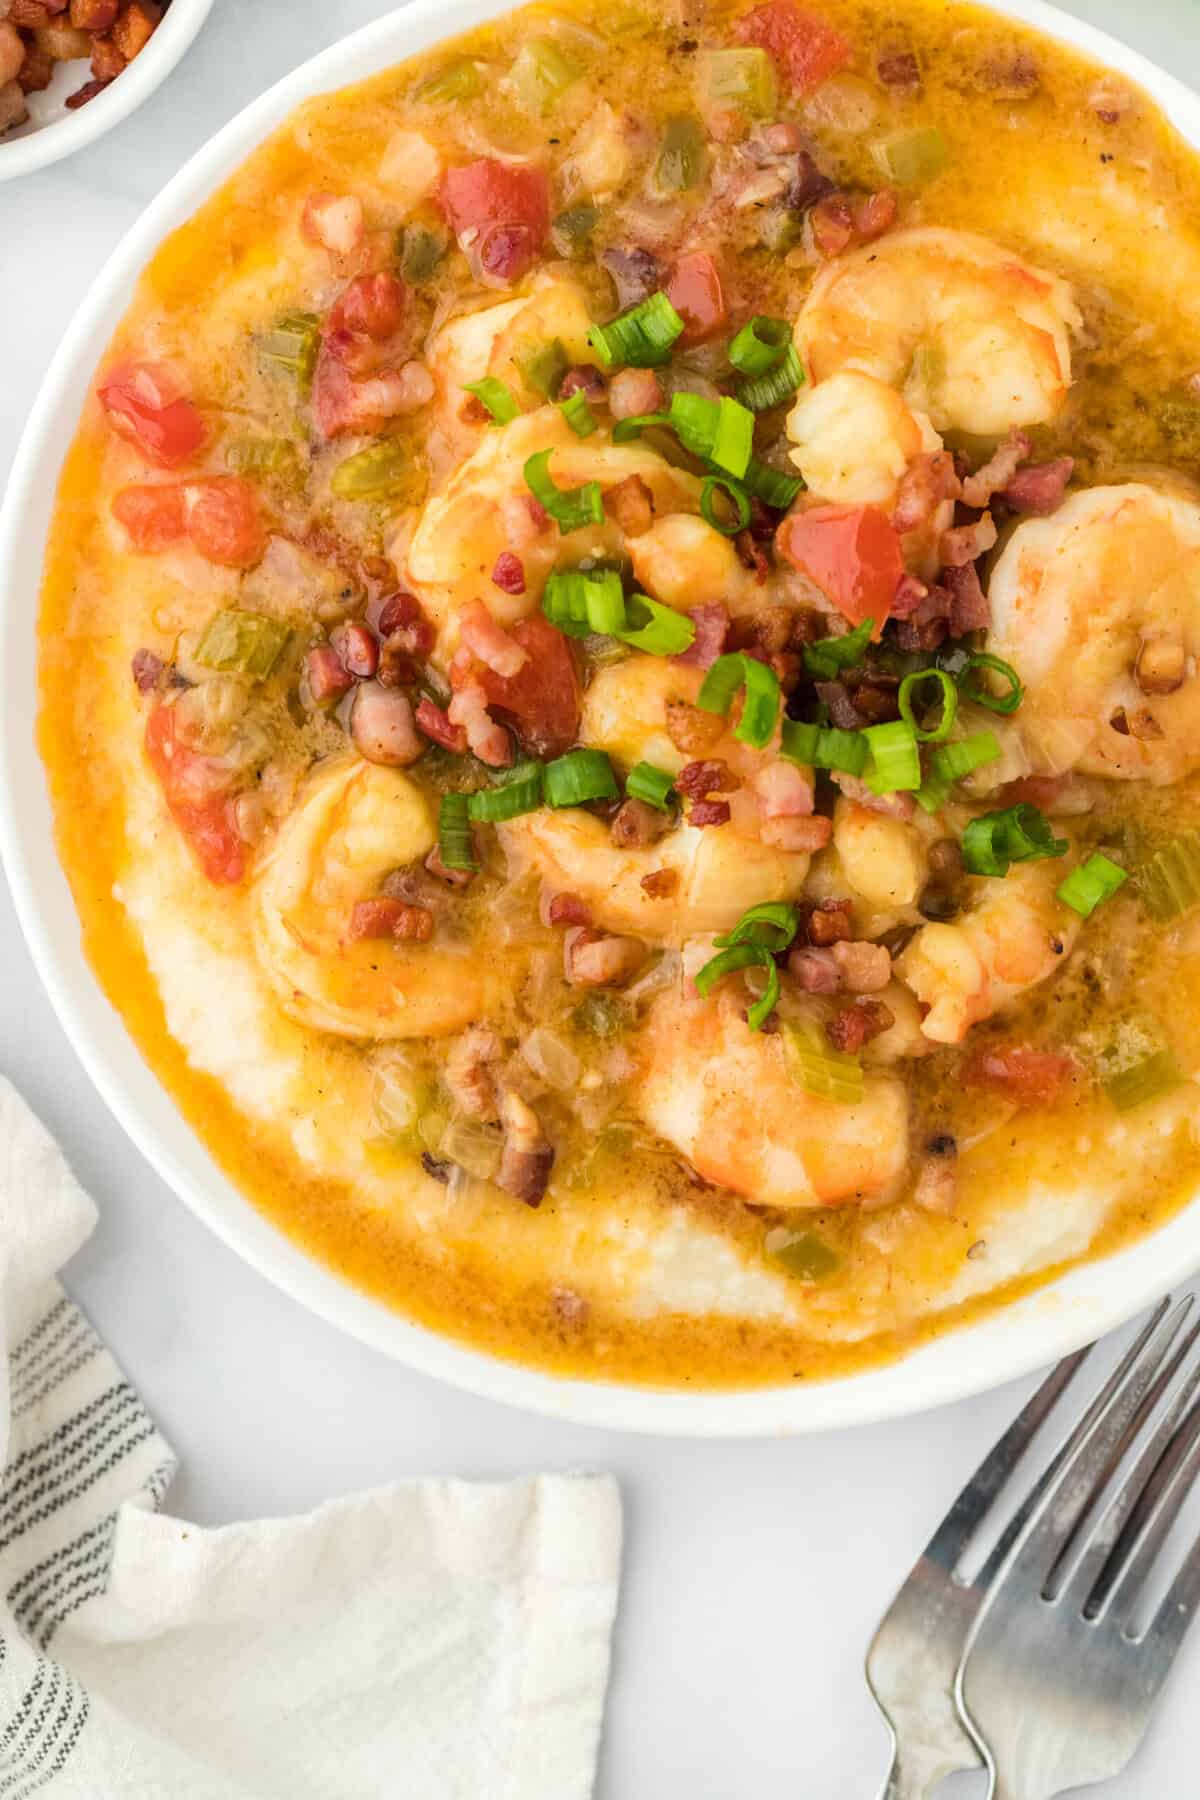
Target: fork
x: 1057, y: 1679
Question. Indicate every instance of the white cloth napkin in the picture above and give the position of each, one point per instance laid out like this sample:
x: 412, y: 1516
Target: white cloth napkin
x: 437, y: 1640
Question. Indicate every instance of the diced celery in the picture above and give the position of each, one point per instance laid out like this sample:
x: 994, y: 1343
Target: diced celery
x: 912, y: 156
x: 242, y: 643
x: 742, y: 79
x: 474, y: 1147
x: 431, y: 1128
x: 1148, y: 1079
x: 572, y: 230
x: 379, y: 469
x: 456, y: 81
x: 600, y: 1015
x: 681, y: 154
x: 291, y: 348
x: 541, y: 73
x: 420, y: 252
x: 544, y: 367
x: 802, y: 1253
x: 1169, y: 880
x: 264, y: 456
x: 829, y: 1074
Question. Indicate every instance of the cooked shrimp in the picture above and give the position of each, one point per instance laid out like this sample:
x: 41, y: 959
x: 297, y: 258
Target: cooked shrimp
x: 683, y: 561
x: 355, y: 823
x: 465, y: 527
x: 625, y: 712
x: 728, y: 1101
x: 493, y: 340
x: 974, y: 336
x: 718, y: 873
x: 883, y: 858
x: 854, y: 438
x: 1016, y: 935
x: 1097, y: 607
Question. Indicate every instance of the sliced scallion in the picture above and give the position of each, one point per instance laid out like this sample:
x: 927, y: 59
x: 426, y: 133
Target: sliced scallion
x: 771, y: 486
x: 951, y: 762
x: 829, y: 1074
x: 760, y: 345
x: 911, y: 685
x: 456, y: 846
x: 520, y: 792
x: 657, y: 629
x: 497, y: 396
x: 760, y: 708
x: 776, y: 386
x: 640, y: 338
x: 826, y: 659
x: 719, y: 484
x: 1093, y: 882
x: 578, y: 414
x: 974, y: 687
x: 772, y: 923
x: 824, y: 747
x: 895, y: 759
x: 583, y: 601
x: 652, y: 785
x: 570, y: 508
x: 743, y: 956
x: 720, y: 431
x: 994, y: 841
x: 579, y: 776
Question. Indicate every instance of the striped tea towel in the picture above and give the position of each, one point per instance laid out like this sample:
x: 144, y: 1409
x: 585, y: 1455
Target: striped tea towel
x: 438, y: 1640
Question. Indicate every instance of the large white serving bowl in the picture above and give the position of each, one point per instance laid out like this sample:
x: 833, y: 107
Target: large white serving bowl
x: 1020, y: 1337
x: 52, y: 132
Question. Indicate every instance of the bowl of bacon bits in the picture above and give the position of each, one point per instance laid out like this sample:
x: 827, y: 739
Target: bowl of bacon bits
x: 71, y: 69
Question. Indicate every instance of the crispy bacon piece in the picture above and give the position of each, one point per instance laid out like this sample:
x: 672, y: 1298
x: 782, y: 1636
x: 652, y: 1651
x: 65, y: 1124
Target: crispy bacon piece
x: 485, y: 736
x: 843, y: 220
x: 385, y: 918
x: 926, y: 482
x: 660, y: 884
x: 583, y: 378
x: 437, y: 727
x: 597, y: 959
x: 969, y: 609
x: 829, y: 922
x: 814, y: 970
x: 147, y: 670
x: 509, y: 573
x: 489, y: 643
x: 855, y: 1025
x: 381, y: 725
x: 135, y: 26
x: 357, y: 649
x: 1029, y: 1077
x: 709, y: 812
x: 967, y: 543
x: 699, y: 779
x: 630, y: 505
x: 328, y: 678
x: 1039, y: 488
x: 996, y: 473
x: 567, y: 909
x: 82, y: 95
x: 637, y: 824
x: 865, y: 968
x: 712, y: 627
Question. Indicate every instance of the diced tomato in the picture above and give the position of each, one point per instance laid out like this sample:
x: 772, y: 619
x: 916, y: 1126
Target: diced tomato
x: 223, y: 520
x: 1031, y: 790
x: 807, y: 50
x: 152, y: 515
x: 373, y: 305
x: 144, y: 405
x: 506, y: 206
x: 341, y: 403
x: 543, y: 698
x: 851, y: 552
x: 694, y: 290
x: 198, y: 798
x: 1028, y: 1077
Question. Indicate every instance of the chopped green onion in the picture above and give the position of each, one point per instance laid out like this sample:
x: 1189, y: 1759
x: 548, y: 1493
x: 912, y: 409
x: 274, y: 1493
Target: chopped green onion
x: 420, y: 253
x: 895, y: 759
x: 578, y: 414
x: 829, y: 1074
x: 572, y: 230
x: 1092, y: 882
x: 264, y: 456
x: 772, y: 924
x: 293, y: 345
x: 910, y: 685
x: 541, y: 72
x: 1148, y: 1079
x: 624, y: 430
x: 721, y: 431
x: 545, y: 367
x: 379, y: 469
x: 456, y: 81
x: 760, y: 708
x: 824, y: 747
x: 579, y: 776
x: 776, y: 386
x: 981, y: 693
x: 657, y: 629
x: 456, y: 846
x: 741, y: 79
x: 734, y: 438
x: 912, y: 156
x: 743, y: 956
x: 640, y: 338
x: 1169, y: 881
x: 997, y: 839
x: 654, y: 786
x: 519, y: 792
x: 681, y: 155
x: 719, y: 484
x: 829, y: 656
x: 582, y: 601
x: 803, y: 1254
x: 497, y: 396
x: 760, y: 345
x: 570, y: 508
x: 242, y: 643
x: 771, y: 486
x: 951, y: 762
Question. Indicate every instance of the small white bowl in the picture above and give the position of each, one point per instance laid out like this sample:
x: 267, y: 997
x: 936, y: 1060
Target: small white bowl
x: 51, y: 132
x: 1041, y: 1326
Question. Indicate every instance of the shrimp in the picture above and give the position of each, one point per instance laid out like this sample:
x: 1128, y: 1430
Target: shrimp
x: 1097, y: 607
x: 972, y: 335
x: 854, y: 437
x: 883, y: 858
x: 1016, y: 935
x: 464, y: 528
x: 354, y: 823
x: 726, y: 1098
x: 495, y: 340
x: 683, y: 561
x: 718, y: 873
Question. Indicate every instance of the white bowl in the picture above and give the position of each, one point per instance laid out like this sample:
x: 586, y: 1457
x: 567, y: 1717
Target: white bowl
x: 1079, y: 1306
x: 51, y: 132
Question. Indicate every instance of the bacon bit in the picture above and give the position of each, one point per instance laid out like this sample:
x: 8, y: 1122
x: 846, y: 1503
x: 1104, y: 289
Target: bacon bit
x: 709, y: 812
x: 399, y: 616
x: 357, y: 649
x: 537, y: 513
x: 459, y: 878
x: 875, y: 214
x: 509, y: 573
x: 899, y: 70
x: 969, y: 608
x: 797, y: 836
x: 583, y: 378
x: 32, y: 15
x: 567, y: 909
x: 784, y: 791
x: 341, y: 404
x: 927, y: 481
x: 967, y: 543
x: 996, y: 473
x: 372, y: 306
x: 1039, y: 489
x: 865, y: 968
x: 87, y: 92
x: 1041, y: 791
x: 635, y: 391
x: 594, y: 959
x: 712, y: 627
x: 325, y: 674
x: 437, y: 727
x: 334, y: 221
x: 829, y: 922
x: 489, y: 643
x: 630, y: 504
x: 699, y: 779
x: 927, y: 625
x: 135, y: 27
x: 94, y: 15
x: 909, y: 594
x: 528, y: 1156
x: 660, y: 884
x: 383, y: 918
x: 842, y: 711
x: 842, y: 219
x: 489, y: 741
x: 1029, y: 1077
x: 855, y: 1025
x: 107, y: 61
x: 751, y: 555
x: 636, y: 274
x: 892, y: 806
x: 814, y: 970
x: 381, y: 725
x: 147, y: 670
x: 636, y: 824
x: 37, y: 70
x: 468, y: 1074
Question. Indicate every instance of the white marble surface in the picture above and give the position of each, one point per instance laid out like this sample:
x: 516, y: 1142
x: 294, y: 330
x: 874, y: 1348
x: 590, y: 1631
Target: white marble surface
x: 754, y: 1572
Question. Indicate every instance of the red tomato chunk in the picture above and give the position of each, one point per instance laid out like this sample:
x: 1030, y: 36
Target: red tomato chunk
x: 1028, y: 1077
x: 807, y: 50
x: 503, y: 209
x: 853, y: 555
x: 152, y: 515
x: 144, y: 405
x: 694, y: 290
x: 223, y: 520
x: 543, y: 697
x: 197, y: 794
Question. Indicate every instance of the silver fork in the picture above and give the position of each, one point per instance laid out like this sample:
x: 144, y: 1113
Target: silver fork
x: 1057, y: 1682
x: 915, y: 1656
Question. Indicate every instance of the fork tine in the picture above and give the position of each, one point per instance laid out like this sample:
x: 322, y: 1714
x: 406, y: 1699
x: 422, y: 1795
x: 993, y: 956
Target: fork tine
x: 1180, y: 1604
x: 1151, y: 1521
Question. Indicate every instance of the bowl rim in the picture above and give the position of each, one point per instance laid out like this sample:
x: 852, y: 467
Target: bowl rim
x: 57, y: 138
x: 1030, y: 1331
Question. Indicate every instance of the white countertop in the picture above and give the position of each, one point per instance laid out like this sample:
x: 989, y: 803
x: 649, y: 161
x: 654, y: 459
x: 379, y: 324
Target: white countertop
x: 754, y: 1572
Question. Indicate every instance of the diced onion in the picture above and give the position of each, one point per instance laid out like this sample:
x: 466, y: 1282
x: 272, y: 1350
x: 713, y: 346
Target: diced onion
x: 555, y: 1062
